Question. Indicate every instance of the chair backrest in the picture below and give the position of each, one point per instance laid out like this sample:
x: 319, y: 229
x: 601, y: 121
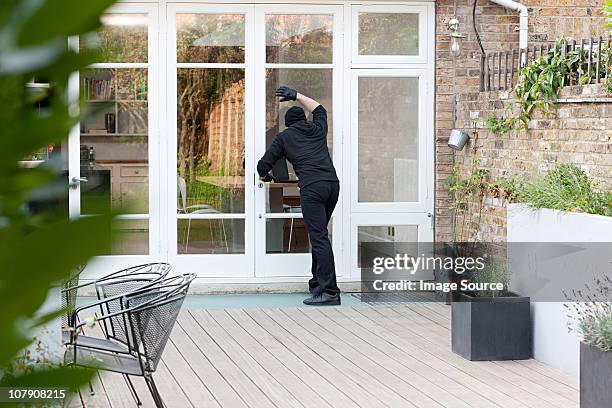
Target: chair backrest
x: 69, y: 294
x: 125, y: 282
x: 152, y: 314
x: 182, y: 192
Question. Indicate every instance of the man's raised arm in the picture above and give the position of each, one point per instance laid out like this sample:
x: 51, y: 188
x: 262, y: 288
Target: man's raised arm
x: 290, y: 94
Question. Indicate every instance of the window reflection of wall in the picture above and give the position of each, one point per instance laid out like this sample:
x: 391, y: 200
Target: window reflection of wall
x: 388, y: 139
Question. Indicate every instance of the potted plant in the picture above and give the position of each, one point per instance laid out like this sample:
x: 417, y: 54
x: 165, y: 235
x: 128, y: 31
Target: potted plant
x: 469, y: 193
x: 488, y: 322
x: 591, y: 311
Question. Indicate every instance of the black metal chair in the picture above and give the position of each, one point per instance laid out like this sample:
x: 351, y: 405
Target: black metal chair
x: 113, y: 284
x: 147, y: 317
x: 109, y: 286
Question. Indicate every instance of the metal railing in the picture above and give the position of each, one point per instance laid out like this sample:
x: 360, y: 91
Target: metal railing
x: 498, y: 69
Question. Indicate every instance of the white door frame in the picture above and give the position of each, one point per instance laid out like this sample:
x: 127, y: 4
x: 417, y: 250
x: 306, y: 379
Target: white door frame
x: 104, y: 264
x: 208, y: 265
x: 293, y: 265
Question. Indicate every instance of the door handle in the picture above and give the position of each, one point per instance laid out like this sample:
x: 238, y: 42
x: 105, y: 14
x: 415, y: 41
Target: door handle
x: 76, y: 181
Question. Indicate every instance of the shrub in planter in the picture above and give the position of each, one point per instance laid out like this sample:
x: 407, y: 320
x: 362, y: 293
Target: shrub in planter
x: 592, y: 311
x: 489, y: 323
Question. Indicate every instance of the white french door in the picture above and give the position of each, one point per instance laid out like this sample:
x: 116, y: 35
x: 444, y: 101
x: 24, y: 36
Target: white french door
x: 301, y: 47
x: 184, y: 107
x: 223, y: 64
x: 114, y: 152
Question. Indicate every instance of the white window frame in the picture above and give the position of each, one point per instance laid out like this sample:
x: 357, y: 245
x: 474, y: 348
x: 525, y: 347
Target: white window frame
x: 421, y: 9
x: 425, y: 146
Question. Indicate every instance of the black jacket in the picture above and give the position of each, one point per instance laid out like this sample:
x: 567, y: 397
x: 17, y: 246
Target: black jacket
x: 304, y: 144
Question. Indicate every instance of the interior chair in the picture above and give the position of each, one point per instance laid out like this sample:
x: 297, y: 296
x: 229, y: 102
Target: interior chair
x: 183, y: 208
x: 147, y: 315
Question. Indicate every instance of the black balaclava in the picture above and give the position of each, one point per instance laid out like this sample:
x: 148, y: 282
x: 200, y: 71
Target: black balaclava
x: 294, y: 114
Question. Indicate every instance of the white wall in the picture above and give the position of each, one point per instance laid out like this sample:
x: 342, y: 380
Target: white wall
x: 552, y: 343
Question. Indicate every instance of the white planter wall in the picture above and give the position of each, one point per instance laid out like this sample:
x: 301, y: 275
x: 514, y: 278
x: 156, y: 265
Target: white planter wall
x: 552, y: 343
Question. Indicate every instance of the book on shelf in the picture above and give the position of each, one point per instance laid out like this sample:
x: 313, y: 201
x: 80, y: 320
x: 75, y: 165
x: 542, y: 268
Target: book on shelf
x: 97, y: 131
x: 97, y: 89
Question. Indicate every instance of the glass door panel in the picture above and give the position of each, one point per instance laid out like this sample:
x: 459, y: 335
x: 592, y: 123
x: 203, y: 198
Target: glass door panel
x: 113, y: 166
x: 208, y: 194
x: 113, y: 151
x: 389, y: 148
x: 299, y: 47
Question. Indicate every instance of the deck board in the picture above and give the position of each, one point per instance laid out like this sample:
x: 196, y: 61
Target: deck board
x: 384, y: 356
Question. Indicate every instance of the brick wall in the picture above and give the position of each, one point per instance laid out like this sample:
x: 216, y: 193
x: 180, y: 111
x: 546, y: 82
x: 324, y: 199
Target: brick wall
x: 548, y: 20
x: 579, y: 133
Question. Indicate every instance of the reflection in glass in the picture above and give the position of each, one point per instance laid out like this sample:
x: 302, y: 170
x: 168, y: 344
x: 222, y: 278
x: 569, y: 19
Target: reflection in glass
x: 282, y: 198
x: 286, y: 235
x: 213, y: 236
x: 122, y: 38
x: 299, y: 38
x: 114, y: 140
x: 388, y: 34
x: 210, y: 38
x: 131, y: 237
x: 369, y: 237
x: 388, y: 139
x: 315, y: 83
x: 210, y: 141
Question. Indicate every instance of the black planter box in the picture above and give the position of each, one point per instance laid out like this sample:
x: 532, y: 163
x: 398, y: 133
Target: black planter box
x: 595, y: 377
x: 485, y: 329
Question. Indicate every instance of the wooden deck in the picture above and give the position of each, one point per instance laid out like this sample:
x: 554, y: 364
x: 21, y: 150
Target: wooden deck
x: 395, y: 356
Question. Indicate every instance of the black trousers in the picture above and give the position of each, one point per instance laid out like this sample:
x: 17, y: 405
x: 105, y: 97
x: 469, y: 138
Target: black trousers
x: 318, y: 201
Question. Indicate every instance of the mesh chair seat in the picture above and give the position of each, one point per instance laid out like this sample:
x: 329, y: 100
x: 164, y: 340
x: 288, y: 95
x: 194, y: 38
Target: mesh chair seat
x: 95, y: 343
x: 119, y: 363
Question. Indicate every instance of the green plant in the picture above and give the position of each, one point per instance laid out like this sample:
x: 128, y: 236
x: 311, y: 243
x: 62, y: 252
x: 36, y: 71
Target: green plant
x: 465, y: 190
x: 539, y: 83
x: 38, y: 249
x: 590, y: 311
x: 565, y: 188
x: 492, y: 273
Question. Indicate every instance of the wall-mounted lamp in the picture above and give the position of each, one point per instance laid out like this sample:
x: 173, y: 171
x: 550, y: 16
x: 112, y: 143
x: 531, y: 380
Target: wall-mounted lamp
x: 457, y: 139
x: 455, y: 37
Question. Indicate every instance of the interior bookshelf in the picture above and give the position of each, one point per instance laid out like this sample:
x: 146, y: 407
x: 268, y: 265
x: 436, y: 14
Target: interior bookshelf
x: 118, y: 102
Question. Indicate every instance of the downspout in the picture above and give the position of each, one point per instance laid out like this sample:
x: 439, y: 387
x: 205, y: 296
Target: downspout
x: 523, y: 18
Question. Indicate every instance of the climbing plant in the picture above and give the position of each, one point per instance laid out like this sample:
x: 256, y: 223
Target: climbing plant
x: 539, y: 83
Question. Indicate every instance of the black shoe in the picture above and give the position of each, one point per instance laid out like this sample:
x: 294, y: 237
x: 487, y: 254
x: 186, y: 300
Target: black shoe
x: 323, y: 299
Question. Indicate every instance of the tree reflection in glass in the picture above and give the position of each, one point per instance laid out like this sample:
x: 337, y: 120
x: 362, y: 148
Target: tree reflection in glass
x: 299, y: 38
x: 212, y: 38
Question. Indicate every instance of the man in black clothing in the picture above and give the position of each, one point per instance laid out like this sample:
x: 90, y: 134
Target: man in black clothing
x: 304, y: 144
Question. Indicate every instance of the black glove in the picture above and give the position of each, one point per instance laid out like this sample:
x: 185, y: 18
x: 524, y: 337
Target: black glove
x: 286, y: 93
x: 267, y: 178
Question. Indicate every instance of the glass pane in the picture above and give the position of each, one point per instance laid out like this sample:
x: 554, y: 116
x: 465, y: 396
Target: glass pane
x: 388, y: 34
x: 286, y: 236
x: 315, y: 83
x: 282, y: 198
x: 114, y: 140
x: 218, y: 236
x: 54, y: 196
x: 210, y: 38
x: 210, y: 141
x: 289, y: 235
x: 388, y: 139
x: 131, y: 237
x: 122, y: 38
x: 370, y: 237
x: 299, y: 38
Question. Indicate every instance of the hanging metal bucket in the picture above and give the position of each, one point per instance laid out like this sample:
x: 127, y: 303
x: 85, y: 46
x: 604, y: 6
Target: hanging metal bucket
x: 457, y: 139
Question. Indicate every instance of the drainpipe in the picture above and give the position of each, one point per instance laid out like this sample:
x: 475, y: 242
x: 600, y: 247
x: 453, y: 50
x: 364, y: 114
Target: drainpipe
x: 523, y: 18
